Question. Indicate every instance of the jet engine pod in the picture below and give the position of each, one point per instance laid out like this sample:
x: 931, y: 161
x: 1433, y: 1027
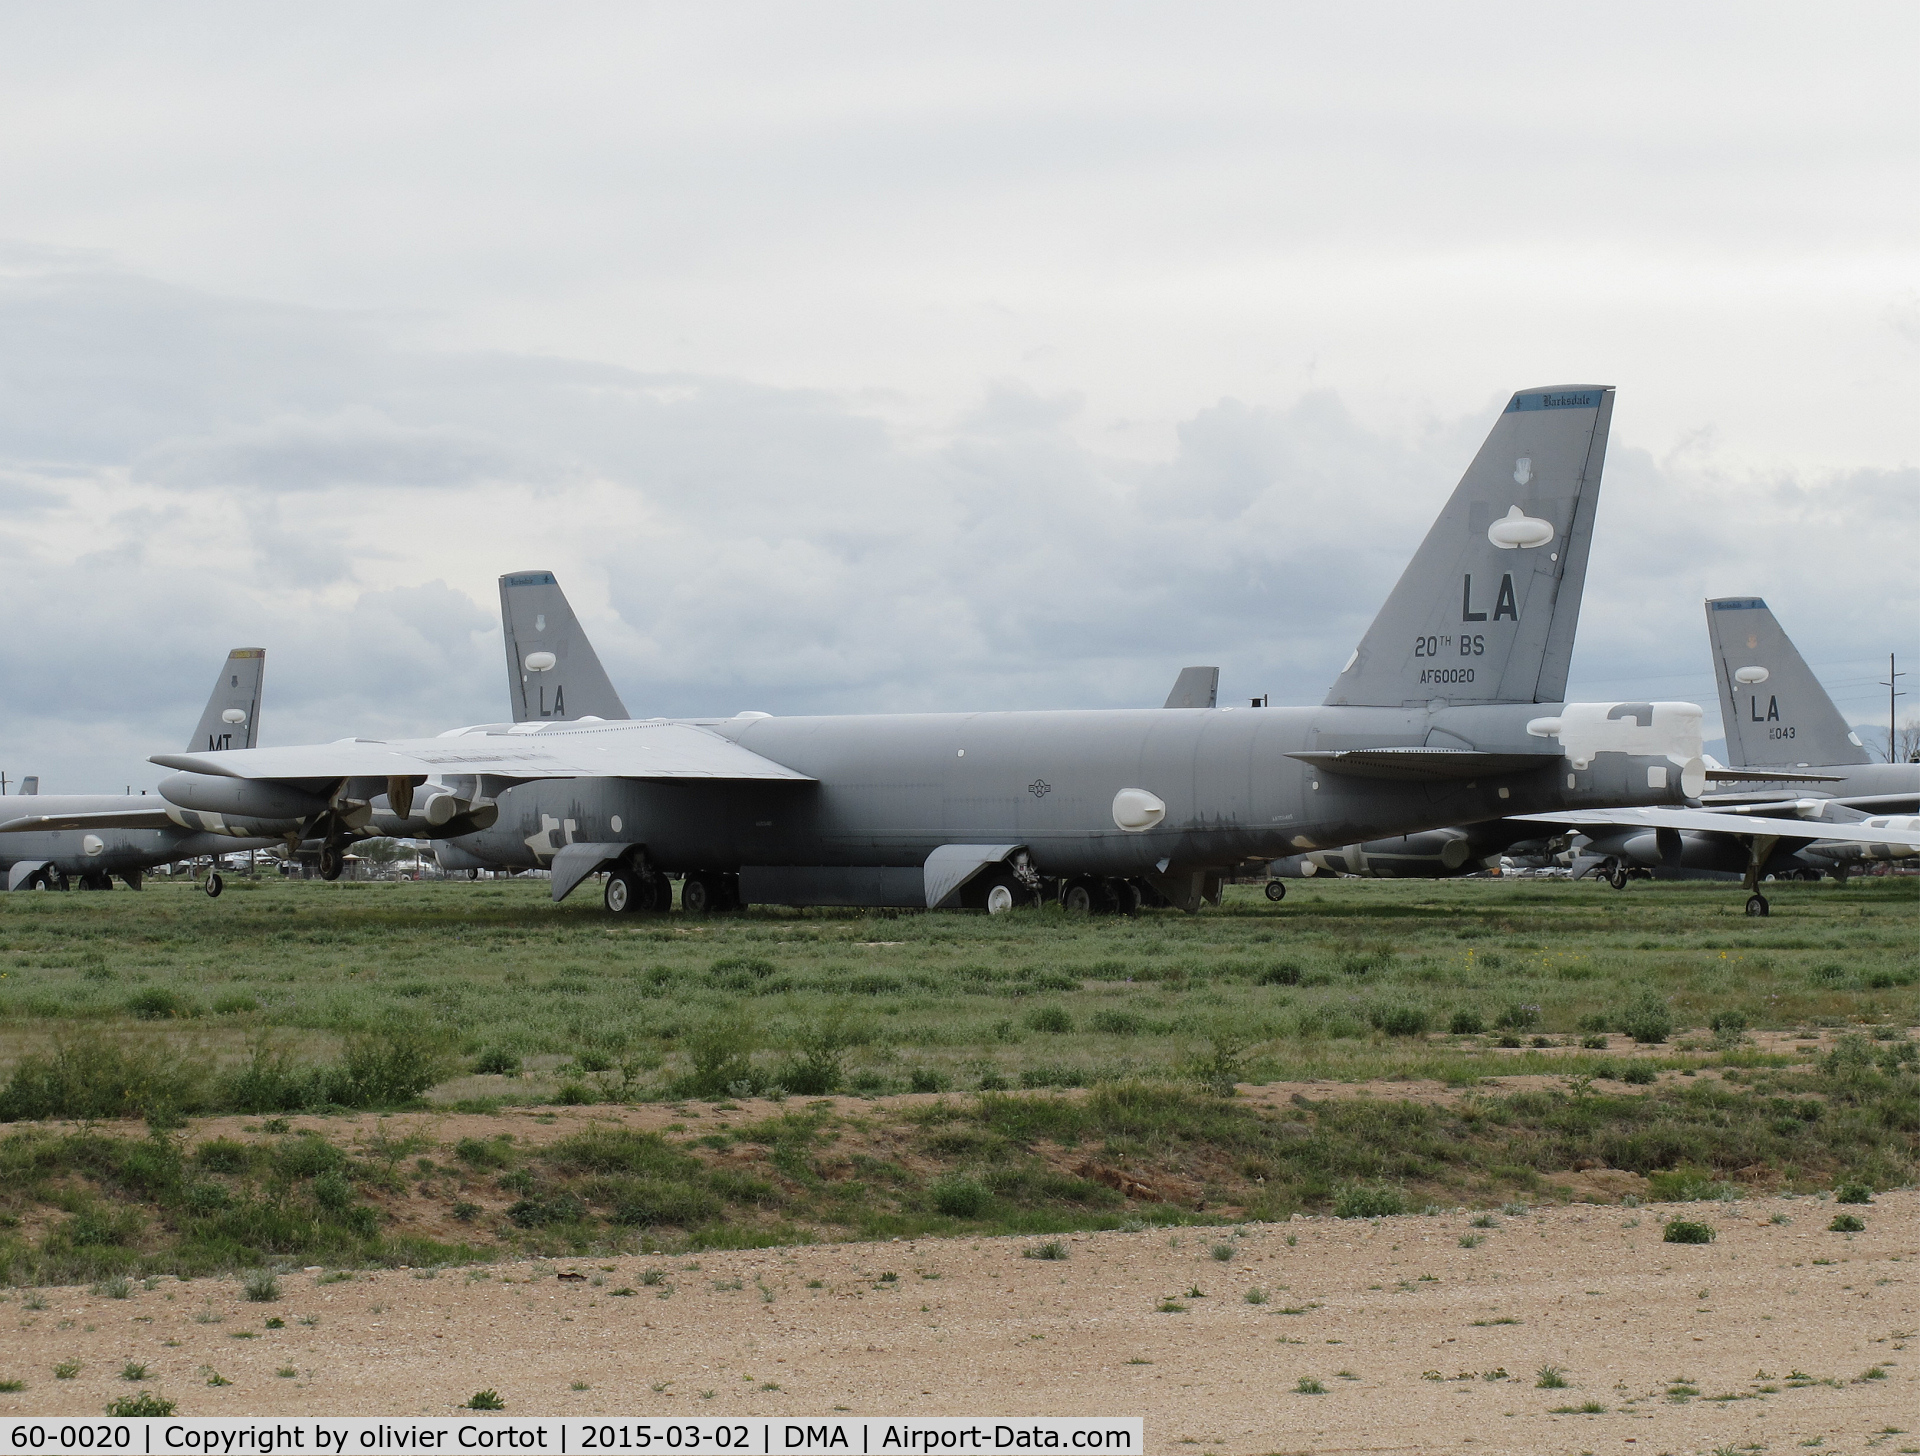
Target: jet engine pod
x: 1136, y: 811
x: 245, y: 798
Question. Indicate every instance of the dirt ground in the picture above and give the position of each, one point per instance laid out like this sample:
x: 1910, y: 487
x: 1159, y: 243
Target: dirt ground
x: 1772, y: 1334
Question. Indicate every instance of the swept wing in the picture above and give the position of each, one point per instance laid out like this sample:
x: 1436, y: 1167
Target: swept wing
x: 1904, y: 832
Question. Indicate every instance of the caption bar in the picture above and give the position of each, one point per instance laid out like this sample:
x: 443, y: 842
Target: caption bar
x: 571, y: 1436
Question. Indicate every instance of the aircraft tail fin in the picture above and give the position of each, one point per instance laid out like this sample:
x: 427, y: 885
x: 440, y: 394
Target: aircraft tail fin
x: 1775, y: 712
x: 552, y: 669
x: 1196, y: 687
x: 232, y: 716
x: 1486, y: 610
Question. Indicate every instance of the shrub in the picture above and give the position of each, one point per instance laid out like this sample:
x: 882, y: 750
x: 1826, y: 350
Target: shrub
x: 1685, y: 1231
x: 95, y: 1077
x: 1282, y: 973
x: 1051, y: 1249
x: 575, y: 1094
x: 1368, y: 1200
x: 1054, y: 1020
x: 927, y: 1079
x: 720, y: 1058
x: 1117, y: 1023
x: 1400, y: 1020
x: 497, y: 1062
x: 332, y: 1190
x: 480, y: 1153
x: 1550, y: 1377
x: 820, y: 1067
x: 1853, y: 1193
x: 1309, y: 1386
x: 1728, y: 1023
x: 1647, y: 1018
x: 261, y: 1285
x: 1467, y: 1022
x: 1518, y: 1016
x: 738, y: 973
x: 960, y: 1197
x: 1638, y: 1074
x: 532, y: 1213
x: 1847, y: 1223
x: 146, y: 1403
x: 158, y: 1003
x: 488, y: 1399
x: 1597, y: 1042
x: 651, y: 1201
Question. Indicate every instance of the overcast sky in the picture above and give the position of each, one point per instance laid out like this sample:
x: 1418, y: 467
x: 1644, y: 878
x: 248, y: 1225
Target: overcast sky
x: 860, y: 357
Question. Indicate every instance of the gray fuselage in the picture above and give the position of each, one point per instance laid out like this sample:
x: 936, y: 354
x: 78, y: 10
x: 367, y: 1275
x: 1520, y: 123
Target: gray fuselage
x: 892, y: 788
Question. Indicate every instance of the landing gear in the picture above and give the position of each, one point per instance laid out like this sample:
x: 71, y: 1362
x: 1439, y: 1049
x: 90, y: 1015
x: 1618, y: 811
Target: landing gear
x: 332, y: 861
x: 47, y: 879
x: 624, y: 892
x: 1087, y: 895
x: 1757, y: 904
x: 1079, y: 898
x: 1618, y: 879
x: 1276, y: 890
x: 704, y: 892
x: 1126, y: 897
x: 215, y: 884
x: 93, y: 880
x: 996, y: 891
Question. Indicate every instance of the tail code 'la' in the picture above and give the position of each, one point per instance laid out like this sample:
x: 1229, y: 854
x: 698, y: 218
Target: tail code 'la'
x: 1486, y: 610
x: 1775, y: 712
x: 552, y: 669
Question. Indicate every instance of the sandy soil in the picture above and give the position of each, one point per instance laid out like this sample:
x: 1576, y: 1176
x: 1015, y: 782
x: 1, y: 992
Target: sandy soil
x: 1407, y: 1330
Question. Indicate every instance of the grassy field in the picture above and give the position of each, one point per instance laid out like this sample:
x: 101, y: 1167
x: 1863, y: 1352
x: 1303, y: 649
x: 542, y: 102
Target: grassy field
x: 483, y: 999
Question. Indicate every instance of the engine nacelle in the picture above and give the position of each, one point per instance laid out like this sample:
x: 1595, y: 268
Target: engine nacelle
x: 240, y: 798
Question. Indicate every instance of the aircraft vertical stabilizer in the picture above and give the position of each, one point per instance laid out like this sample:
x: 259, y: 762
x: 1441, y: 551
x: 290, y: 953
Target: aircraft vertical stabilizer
x: 1486, y: 610
x: 552, y: 669
x: 232, y: 716
x: 1196, y: 687
x: 1775, y: 712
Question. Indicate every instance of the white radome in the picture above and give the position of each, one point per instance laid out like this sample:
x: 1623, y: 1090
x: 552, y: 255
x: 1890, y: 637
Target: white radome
x: 1751, y: 676
x: 1136, y: 810
x: 540, y: 661
x: 1518, y: 530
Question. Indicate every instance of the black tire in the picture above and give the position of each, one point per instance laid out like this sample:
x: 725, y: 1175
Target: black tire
x: 1078, y: 898
x: 729, y: 892
x: 626, y: 892
x: 662, y: 893
x: 214, y: 885
x: 1757, y: 905
x: 1276, y: 890
x: 1618, y: 879
x: 39, y: 880
x: 697, y: 895
x: 1126, y: 897
x: 332, y: 862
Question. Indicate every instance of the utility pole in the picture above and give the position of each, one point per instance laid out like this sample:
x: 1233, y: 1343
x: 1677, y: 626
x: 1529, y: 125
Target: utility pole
x: 1893, y: 731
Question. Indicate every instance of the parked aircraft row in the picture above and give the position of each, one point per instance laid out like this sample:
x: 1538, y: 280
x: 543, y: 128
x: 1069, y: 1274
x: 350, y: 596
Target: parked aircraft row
x: 1810, y: 767
x: 1450, y: 711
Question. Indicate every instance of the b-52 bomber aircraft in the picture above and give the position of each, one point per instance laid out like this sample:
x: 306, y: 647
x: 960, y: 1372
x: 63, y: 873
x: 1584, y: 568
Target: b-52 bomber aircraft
x: 53, y: 841
x: 1817, y: 803
x: 1447, y: 712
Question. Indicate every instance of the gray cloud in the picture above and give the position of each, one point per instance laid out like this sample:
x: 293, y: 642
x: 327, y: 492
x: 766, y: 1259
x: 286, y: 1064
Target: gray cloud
x: 244, y: 476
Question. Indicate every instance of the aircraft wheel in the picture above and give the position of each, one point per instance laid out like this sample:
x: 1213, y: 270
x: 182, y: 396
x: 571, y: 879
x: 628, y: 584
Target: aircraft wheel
x: 697, y: 895
x: 331, y: 863
x: 662, y: 893
x: 1276, y: 890
x: 214, y: 886
x: 1126, y: 896
x: 626, y: 891
x: 1757, y: 904
x: 58, y: 880
x: 1078, y: 899
x: 729, y: 892
x: 1618, y: 879
x: 39, y: 880
x: 473, y: 874
x: 999, y: 900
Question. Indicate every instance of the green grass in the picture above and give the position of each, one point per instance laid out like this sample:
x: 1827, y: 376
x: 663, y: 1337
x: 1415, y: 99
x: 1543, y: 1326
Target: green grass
x: 327, y: 989
x: 1323, y: 984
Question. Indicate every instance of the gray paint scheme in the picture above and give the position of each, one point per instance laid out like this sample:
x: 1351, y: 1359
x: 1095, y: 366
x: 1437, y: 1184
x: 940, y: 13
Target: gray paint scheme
x: 1785, y: 721
x: 536, y: 618
x: 830, y: 802
x: 133, y: 833
x: 1196, y: 687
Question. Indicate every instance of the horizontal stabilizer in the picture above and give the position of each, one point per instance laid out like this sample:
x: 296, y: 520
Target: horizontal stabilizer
x: 1421, y: 765
x: 124, y: 819
x: 649, y: 750
x: 1769, y: 776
